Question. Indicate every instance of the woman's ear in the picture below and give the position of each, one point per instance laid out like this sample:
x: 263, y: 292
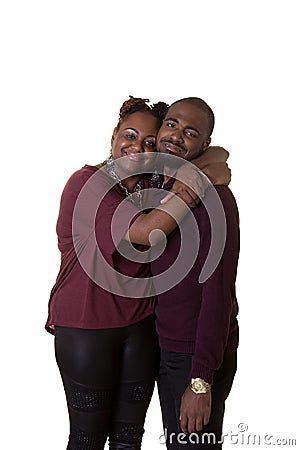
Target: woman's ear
x: 113, y: 135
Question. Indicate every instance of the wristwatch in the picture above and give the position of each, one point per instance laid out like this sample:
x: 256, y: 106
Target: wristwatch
x: 199, y: 386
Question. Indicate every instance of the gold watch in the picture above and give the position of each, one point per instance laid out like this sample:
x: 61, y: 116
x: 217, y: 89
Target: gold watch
x: 199, y: 386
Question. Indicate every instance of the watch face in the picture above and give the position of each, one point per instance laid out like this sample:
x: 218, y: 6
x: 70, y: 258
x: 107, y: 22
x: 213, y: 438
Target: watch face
x: 198, y: 385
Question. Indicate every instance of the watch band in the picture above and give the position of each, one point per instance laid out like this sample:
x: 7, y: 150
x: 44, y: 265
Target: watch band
x: 199, y: 386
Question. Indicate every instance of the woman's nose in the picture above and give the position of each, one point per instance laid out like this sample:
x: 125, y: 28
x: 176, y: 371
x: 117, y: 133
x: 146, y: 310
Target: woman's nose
x: 138, y: 146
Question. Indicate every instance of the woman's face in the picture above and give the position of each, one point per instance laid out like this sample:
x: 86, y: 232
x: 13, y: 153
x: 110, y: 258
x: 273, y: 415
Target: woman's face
x: 135, y: 138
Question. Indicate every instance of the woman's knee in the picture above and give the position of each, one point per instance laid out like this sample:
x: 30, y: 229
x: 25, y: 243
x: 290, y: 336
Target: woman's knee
x: 126, y: 436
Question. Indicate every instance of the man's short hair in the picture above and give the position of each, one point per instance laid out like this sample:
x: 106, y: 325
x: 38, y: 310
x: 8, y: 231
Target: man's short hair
x: 204, y: 107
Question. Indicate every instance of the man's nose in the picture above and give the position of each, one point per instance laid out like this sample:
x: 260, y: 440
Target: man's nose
x: 176, y: 135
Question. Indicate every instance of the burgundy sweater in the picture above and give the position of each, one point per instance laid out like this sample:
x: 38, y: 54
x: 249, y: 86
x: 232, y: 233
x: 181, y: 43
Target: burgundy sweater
x: 201, y: 318
x: 77, y: 301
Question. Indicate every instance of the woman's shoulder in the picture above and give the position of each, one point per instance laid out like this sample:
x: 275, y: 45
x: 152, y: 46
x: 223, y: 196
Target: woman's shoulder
x: 81, y: 175
x: 78, y: 179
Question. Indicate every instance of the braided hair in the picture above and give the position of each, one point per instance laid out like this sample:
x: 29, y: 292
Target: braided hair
x: 135, y: 104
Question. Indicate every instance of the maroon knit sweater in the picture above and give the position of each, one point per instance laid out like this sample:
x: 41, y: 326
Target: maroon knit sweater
x: 200, y: 318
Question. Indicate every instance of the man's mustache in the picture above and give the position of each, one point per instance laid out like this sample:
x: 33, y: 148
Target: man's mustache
x: 180, y: 147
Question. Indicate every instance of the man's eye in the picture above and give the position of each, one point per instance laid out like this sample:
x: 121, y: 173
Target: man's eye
x: 130, y: 136
x: 170, y: 125
x: 190, y: 133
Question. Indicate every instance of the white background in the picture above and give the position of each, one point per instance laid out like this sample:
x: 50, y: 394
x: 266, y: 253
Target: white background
x: 66, y: 68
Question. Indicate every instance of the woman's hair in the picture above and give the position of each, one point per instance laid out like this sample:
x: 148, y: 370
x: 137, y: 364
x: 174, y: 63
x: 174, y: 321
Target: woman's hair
x: 135, y: 104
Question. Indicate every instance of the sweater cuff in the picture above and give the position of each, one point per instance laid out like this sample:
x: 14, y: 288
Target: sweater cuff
x: 200, y: 371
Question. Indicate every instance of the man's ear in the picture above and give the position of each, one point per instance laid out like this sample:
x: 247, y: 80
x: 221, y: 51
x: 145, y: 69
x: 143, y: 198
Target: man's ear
x: 113, y: 135
x: 206, y: 144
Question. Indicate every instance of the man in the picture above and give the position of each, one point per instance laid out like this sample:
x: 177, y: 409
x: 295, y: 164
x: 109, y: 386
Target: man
x: 196, y: 322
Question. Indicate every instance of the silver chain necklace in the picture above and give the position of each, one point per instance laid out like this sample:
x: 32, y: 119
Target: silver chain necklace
x: 136, y: 196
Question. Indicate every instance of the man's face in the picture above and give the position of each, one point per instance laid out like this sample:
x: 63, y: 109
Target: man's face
x: 184, y: 132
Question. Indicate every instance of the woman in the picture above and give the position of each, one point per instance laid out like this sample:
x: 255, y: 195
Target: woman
x: 105, y: 342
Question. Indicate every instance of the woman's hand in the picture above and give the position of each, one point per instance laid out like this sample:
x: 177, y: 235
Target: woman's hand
x: 218, y: 173
x: 213, y: 163
x: 213, y: 154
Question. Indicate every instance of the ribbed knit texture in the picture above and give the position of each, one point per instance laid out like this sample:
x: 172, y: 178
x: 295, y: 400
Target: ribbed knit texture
x: 200, y: 319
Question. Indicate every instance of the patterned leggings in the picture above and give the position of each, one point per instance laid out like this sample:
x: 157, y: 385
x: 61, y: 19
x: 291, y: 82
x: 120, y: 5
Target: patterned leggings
x: 108, y: 377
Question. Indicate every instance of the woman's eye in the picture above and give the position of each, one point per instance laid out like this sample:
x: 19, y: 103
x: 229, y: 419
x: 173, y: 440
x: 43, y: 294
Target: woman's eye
x: 130, y: 136
x: 170, y: 124
x: 150, y: 143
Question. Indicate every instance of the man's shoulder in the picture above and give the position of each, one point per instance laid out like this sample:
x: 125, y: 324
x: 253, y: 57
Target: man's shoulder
x: 216, y: 198
x: 228, y: 203
x: 225, y: 194
x: 218, y: 192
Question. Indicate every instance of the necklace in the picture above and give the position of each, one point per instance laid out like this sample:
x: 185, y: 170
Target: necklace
x: 136, y: 196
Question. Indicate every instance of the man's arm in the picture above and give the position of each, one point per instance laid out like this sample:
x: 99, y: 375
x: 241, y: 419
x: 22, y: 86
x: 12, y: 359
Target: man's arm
x: 218, y: 302
x: 214, y: 166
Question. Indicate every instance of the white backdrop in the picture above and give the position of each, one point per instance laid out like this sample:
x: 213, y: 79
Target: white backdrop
x: 66, y: 67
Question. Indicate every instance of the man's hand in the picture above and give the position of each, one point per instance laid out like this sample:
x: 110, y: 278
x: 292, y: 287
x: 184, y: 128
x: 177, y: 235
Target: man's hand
x: 194, y: 411
x: 192, y: 186
x: 184, y: 192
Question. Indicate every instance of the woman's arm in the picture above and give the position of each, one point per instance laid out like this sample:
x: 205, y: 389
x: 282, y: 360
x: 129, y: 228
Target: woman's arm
x: 149, y: 229
x: 213, y: 154
x: 213, y: 164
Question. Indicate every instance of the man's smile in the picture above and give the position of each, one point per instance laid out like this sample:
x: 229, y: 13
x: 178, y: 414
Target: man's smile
x: 173, y: 148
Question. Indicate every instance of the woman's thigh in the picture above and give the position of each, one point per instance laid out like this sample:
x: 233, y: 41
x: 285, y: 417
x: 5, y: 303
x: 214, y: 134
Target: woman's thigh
x: 89, y: 357
x: 139, y: 368
x: 89, y: 362
x: 109, y: 378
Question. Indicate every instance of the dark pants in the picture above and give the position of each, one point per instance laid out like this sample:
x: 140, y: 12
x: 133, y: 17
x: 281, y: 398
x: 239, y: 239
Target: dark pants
x: 173, y: 380
x: 108, y: 376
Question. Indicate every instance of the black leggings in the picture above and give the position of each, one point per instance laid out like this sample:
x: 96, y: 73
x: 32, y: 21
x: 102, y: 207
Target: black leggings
x: 108, y: 376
